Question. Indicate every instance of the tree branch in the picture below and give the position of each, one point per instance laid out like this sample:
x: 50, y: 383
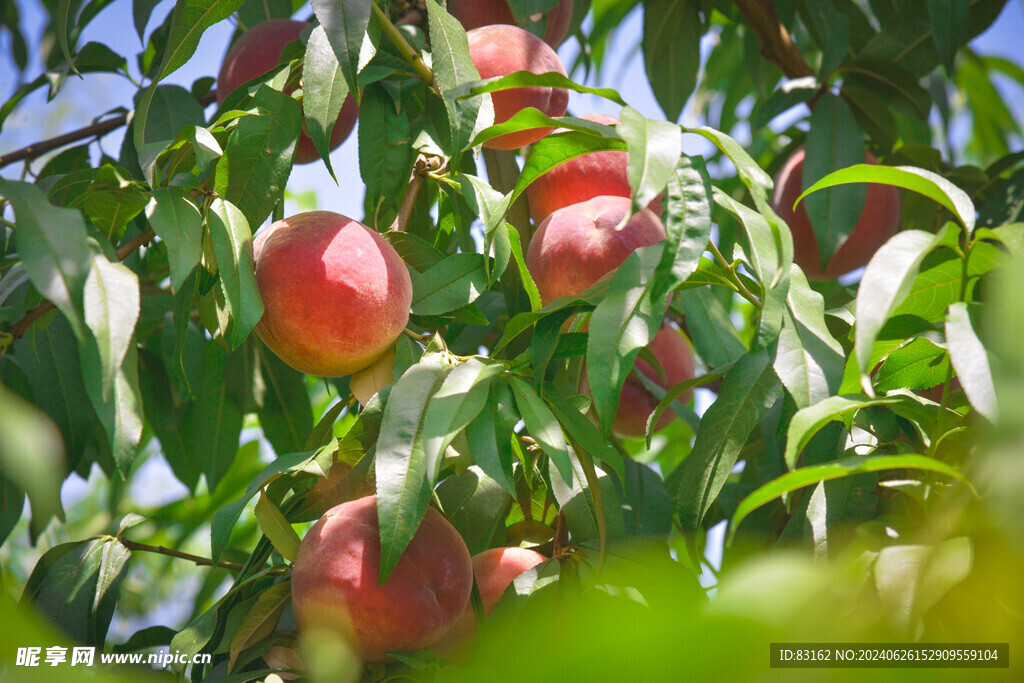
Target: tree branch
x: 97, y: 130
x: 776, y: 43
x: 19, y: 328
x: 161, y: 550
x: 425, y: 164
x: 404, y: 48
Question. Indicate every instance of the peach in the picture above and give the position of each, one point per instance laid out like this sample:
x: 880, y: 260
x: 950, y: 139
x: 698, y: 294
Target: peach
x: 494, y: 570
x: 577, y: 245
x: 879, y: 221
x: 256, y: 52
x: 476, y: 13
x: 582, y: 178
x: 636, y: 402
x: 499, y: 50
x: 336, y: 587
x: 335, y: 294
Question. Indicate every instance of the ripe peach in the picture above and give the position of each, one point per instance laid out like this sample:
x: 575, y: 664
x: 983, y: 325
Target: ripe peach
x: 256, y: 52
x: 636, y: 403
x: 494, y: 570
x: 335, y: 294
x: 476, y: 13
x: 335, y: 584
x: 577, y: 245
x: 499, y: 50
x: 582, y: 178
x: 879, y: 221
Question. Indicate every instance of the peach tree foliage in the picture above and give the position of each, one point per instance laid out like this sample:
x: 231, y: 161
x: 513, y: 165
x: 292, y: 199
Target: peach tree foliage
x: 112, y: 352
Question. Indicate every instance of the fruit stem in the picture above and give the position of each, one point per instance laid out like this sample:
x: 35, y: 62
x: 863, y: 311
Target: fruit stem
x: 736, y: 282
x: 407, y: 51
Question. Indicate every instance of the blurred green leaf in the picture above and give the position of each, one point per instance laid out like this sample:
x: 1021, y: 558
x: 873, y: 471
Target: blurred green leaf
x: 949, y: 22
x: 276, y: 528
x: 31, y: 458
x: 671, y: 43
x: 971, y: 361
x: 262, y: 617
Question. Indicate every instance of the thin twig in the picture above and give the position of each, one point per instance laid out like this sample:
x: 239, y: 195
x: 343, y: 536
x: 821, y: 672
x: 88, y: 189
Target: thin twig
x: 97, y: 130
x: 19, y: 328
x: 170, y: 552
x: 407, y: 51
x: 424, y: 165
x: 776, y: 43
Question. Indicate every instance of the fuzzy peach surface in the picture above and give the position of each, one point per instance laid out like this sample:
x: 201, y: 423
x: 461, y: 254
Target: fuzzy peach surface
x: 335, y: 581
x: 335, y: 294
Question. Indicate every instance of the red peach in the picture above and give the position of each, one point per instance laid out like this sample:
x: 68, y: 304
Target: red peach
x: 582, y: 178
x: 636, y: 403
x: 577, y: 245
x: 494, y: 570
x: 500, y: 50
x: 335, y: 584
x: 879, y: 221
x: 335, y: 294
x: 476, y: 13
x: 256, y: 52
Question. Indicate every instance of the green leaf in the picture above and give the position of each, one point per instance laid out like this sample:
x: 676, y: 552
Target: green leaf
x: 189, y: 20
x: 675, y: 392
x: 258, y: 156
x: 671, y: 46
x: 64, y: 20
x: 832, y: 30
x: 111, y: 298
x: 949, y: 23
x: 385, y: 152
x: 524, y: 273
x: 971, y: 361
x: 474, y: 503
x: 787, y: 96
x: 542, y: 426
x: 404, y: 484
x: 589, y: 514
x: 213, y: 422
x: 654, y: 150
x: 919, y: 364
x: 711, y: 331
x: 896, y: 87
x: 555, y: 149
x: 887, y: 280
x: 845, y: 467
x: 324, y: 90
x: 807, y: 421
x: 647, y: 507
x: 528, y: 79
x: 454, y: 282
x: 452, y: 66
x: 344, y: 22
x: 52, y: 245
x: 177, y: 222
x: 808, y: 359
x: 584, y: 434
x: 232, y: 245
x: 918, y: 180
x: 276, y: 528
x: 834, y: 142
x: 748, y: 392
x: 262, y: 617
x: 76, y: 586
x: 687, y: 224
x: 457, y: 402
x: 492, y: 456
x: 624, y: 322
x: 31, y: 457
x: 286, y: 414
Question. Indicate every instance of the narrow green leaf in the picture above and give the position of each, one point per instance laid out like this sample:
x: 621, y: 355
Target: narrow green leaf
x: 453, y: 67
x: 52, y: 245
x: 474, y: 503
x: 324, y: 90
x: 585, y: 435
x: 687, y: 223
x: 177, y: 222
x: 949, y: 23
x: 671, y: 47
x: 232, y: 245
x: 919, y: 180
x: 833, y: 34
x: 404, y: 484
x: 286, y: 414
x: 276, y: 528
x: 385, y: 150
x: 808, y: 421
x: 845, y: 467
x: 493, y: 460
x: 888, y: 278
x: 262, y: 617
x: 711, y: 331
x: 454, y: 282
x: 457, y: 402
x: 542, y: 426
x: 345, y: 22
x: 258, y: 156
x: 111, y: 300
x: 64, y: 18
x: 748, y: 391
x: 971, y: 361
x: 654, y: 150
x: 670, y: 397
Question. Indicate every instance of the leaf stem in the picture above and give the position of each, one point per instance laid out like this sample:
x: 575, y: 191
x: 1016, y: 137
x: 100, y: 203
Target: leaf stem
x: 170, y: 552
x: 735, y: 280
x: 404, y: 48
